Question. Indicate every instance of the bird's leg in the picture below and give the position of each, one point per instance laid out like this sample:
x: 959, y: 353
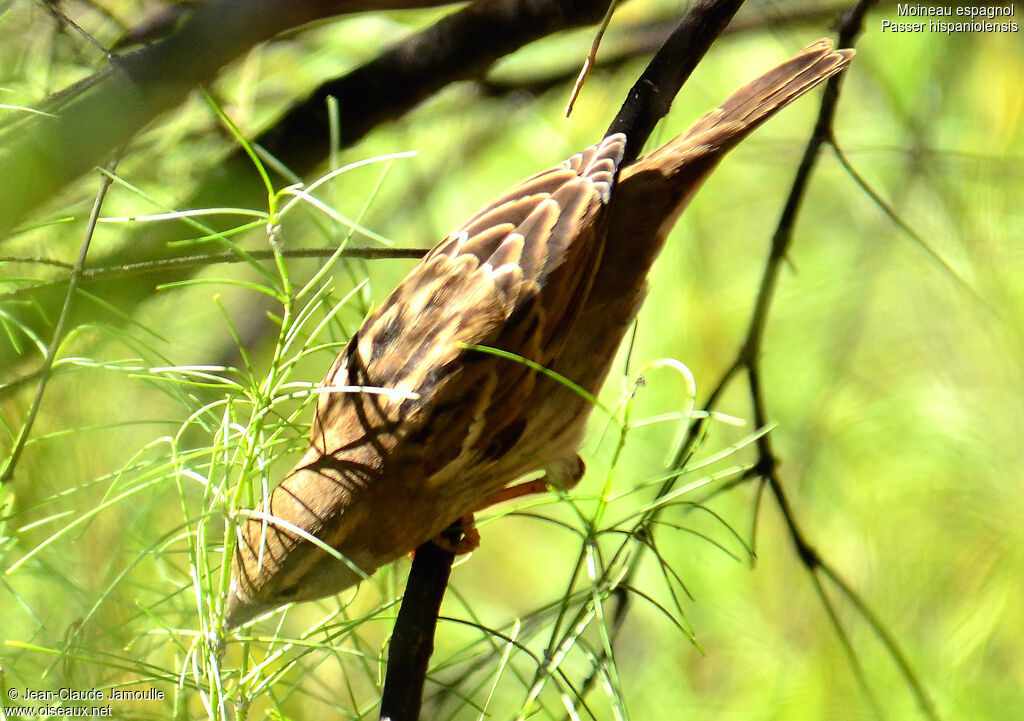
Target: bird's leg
x: 509, y: 493
x: 564, y: 475
x: 469, y: 538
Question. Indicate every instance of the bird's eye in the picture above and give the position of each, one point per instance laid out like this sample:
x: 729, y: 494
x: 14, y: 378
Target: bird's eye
x: 288, y: 592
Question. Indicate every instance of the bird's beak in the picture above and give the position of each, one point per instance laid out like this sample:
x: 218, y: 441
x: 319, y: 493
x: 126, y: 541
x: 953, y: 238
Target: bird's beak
x: 241, y: 608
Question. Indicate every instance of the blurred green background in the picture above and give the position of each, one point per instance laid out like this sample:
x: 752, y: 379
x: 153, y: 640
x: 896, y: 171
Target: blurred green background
x: 892, y: 372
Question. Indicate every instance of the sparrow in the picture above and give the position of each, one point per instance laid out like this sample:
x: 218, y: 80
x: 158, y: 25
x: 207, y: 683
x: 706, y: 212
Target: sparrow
x: 468, y: 376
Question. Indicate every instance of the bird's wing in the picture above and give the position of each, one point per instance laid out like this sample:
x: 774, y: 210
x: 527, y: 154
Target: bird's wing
x: 512, y: 277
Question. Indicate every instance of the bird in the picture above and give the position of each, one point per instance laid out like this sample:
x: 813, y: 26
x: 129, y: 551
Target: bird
x: 468, y: 377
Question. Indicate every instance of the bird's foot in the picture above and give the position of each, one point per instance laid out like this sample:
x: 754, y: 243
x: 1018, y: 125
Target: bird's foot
x: 461, y: 537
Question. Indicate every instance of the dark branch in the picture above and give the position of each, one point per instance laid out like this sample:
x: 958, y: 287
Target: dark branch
x: 748, y: 359
x: 82, y: 126
x: 459, y: 46
x: 643, y: 108
x: 412, y: 640
x: 651, y: 96
x: 640, y: 40
x: 462, y: 46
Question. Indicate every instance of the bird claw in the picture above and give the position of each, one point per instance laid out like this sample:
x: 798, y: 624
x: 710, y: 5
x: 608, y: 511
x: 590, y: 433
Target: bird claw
x: 460, y: 538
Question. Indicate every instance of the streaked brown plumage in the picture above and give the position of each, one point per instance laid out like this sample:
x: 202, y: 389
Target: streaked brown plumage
x: 553, y: 271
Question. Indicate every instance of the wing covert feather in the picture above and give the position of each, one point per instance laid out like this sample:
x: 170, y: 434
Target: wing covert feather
x: 481, y: 286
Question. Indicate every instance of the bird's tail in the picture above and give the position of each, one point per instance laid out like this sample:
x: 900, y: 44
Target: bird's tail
x: 719, y: 130
x: 652, y: 192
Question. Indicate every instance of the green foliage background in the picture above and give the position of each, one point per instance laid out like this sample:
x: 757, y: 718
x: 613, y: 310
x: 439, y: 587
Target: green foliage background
x: 893, y: 372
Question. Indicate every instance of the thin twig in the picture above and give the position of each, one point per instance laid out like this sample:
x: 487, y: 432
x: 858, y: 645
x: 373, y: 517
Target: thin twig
x: 849, y: 27
x: 58, y: 333
x: 748, y: 359
x: 896, y: 220
x: 160, y: 265
x: 641, y: 40
x: 591, y: 58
